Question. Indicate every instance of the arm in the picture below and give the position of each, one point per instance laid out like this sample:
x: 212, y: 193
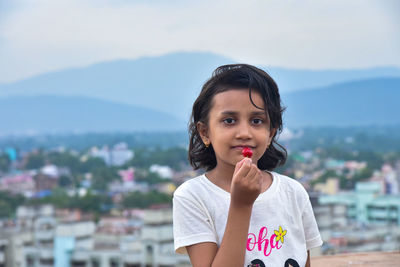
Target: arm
x: 245, y: 188
x: 233, y: 246
x: 308, y: 263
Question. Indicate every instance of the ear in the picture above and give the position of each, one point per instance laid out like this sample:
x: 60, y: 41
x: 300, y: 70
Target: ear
x: 203, y: 131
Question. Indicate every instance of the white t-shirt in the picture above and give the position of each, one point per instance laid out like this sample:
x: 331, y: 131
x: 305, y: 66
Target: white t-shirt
x: 282, y: 225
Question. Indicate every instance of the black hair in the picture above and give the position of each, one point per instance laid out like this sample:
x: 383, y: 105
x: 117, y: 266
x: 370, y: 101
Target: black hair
x: 236, y: 76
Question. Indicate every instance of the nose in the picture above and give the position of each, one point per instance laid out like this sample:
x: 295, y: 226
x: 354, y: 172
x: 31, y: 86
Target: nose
x: 244, y: 131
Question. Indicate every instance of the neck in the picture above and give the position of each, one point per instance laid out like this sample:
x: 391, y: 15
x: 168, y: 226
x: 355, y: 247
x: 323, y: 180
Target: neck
x: 222, y: 175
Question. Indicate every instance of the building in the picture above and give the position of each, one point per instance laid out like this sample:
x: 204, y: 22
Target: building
x: 3, y: 246
x: 45, y: 183
x: 117, y: 156
x: 164, y: 172
x: 44, y: 237
x: 53, y: 241
x: 330, y: 187
x: 366, y: 204
x: 120, y: 154
x: 19, y: 233
x: 151, y: 246
x: 363, y: 220
x: 22, y: 183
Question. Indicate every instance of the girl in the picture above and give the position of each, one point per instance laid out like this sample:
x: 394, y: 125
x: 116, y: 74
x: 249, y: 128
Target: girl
x: 240, y: 212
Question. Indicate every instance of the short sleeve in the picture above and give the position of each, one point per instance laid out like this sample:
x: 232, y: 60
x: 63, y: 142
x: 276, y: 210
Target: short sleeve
x: 191, y: 224
x: 312, y: 236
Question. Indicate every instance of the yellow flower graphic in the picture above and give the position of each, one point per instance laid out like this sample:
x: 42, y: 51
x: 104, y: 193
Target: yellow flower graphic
x: 280, y: 234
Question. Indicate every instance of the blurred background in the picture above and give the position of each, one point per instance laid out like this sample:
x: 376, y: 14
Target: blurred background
x: 95, y: 98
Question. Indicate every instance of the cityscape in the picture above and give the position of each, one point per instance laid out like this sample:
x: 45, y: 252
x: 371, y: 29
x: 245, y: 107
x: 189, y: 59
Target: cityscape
x: 95, y: 100
x: 110, y: 205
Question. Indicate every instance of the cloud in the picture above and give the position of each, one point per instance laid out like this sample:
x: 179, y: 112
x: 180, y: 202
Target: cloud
x: 43, y: 35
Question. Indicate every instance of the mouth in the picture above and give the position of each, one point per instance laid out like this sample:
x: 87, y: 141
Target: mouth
x: 240, y: 147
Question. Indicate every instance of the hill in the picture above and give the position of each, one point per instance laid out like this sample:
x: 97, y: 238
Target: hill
x: 67, y: 114
x: 168, y: 83
x: 360, y: 103
x: 366, y: 102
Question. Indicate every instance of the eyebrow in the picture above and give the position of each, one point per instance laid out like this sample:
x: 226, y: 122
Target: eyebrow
x: 254, y: 113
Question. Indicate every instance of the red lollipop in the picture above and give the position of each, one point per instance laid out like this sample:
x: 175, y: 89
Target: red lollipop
x: 247, y: 152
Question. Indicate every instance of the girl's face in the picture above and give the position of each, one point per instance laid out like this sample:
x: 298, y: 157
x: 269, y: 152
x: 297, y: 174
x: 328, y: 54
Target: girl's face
x: 234, y: 123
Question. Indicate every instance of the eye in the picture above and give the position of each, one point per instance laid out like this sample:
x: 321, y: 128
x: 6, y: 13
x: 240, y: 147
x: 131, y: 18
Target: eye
x: 257, y: 121
x: 229, y: 121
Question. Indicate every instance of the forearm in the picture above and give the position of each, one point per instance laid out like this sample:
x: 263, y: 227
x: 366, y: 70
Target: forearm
x: 308, y: 263
x: 233, y: 246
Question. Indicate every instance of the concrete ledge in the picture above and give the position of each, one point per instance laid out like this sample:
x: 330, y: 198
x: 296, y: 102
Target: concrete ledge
x: 371, y: 259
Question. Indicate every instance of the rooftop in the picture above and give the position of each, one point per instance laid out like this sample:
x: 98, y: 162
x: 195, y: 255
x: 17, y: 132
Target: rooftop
x: 371, y: 259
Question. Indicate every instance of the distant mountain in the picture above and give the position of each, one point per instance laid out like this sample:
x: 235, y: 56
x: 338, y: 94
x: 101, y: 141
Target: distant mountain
x: 160, y: 83
x: 366, y: 102
x: 167, y: 83
x: 360, y: 103
x: 65, y: 114
x: 290, y: 80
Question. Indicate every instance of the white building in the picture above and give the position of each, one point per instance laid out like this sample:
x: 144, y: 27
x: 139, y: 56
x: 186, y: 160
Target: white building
x: 117, y: 156
x: 163, y: 171
x: 153, y: 246
x: 53, y: 242
x: 39, y: 239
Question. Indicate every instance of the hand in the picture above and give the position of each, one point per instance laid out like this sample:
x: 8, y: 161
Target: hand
x: 246, y: 183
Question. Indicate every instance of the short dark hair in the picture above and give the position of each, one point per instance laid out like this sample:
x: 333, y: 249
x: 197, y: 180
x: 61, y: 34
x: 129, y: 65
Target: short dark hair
x: 236, y: 76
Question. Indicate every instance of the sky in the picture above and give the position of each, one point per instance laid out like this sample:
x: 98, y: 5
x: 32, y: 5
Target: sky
x: 38, y: 36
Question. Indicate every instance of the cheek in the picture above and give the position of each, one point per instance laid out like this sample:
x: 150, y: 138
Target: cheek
x: 220, y: 132
x: 264, y: 135
x: 269, y: 136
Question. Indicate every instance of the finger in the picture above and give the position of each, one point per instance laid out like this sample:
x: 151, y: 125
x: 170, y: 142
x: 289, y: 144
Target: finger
x: 252, y: 174
x: 244, y: 168
x: 255, y: 176
x: 238, y: 165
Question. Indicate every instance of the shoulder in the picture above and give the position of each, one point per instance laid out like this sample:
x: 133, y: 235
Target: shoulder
x: 193, y: 195
x: 191, y: 188
x: 291, y: 185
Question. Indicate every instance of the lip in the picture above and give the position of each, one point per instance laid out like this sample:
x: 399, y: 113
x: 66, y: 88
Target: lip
x: 240, y: 147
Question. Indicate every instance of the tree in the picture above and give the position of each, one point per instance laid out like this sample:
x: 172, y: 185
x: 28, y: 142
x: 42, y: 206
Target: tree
x: 374, y: 160
x: 5, y: 163
x: 92, y: 164
x: 64, y: 181
x: 65, y: 159
x: 148, y: 177
x: 9, y: 204
x: 59, y: 198
x: 363, y: 174
x: 102, y: 177
x: 145, y: 200
x: 92, y: 202
x: 324, y: 177
x: 5, y: 209
x: 89, y: 203
x: 35, y: 161
x: 174, y: 157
